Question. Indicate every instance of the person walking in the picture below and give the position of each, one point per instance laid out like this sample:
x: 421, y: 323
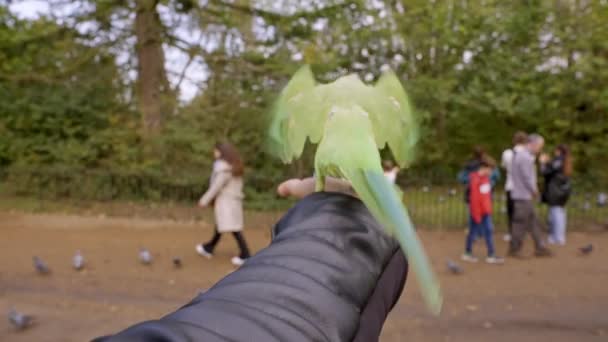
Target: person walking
x: 225, y: 194
x: 519, y: 144
x: 524, y: 193
x: 556, y: 192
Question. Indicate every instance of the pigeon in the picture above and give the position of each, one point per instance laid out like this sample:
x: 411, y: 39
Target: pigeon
x: 145, y: 257
x: 177, y: 262
x: 40, y: 266
x: 454, y: 268
x: 425, y: 189
x: 18, y: 320
x: 602, y: 199
x: 452, y: 192
x: 586, y: 250
x: 441, y: 199
x: 78, y: 261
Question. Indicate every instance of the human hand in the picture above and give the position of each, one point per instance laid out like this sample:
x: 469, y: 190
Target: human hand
x: 200, y: 204
x: 298, y: 188
x: 544, y: 158
x: 283, y: 190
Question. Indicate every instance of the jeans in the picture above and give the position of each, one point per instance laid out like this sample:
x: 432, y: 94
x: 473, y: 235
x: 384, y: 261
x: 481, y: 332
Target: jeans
x: 557, y: 224
x: 483, y: 228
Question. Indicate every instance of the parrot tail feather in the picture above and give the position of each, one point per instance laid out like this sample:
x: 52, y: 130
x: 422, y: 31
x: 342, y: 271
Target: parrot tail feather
x: 382, y: 200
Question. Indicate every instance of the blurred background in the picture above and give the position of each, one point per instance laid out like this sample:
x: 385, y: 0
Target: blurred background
x: 109, y: 111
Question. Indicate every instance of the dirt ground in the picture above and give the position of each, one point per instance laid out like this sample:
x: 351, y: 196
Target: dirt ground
x: 559, y: 299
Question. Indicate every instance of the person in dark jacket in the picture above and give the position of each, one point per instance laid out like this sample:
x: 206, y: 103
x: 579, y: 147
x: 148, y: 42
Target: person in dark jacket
x: 329, y: 274
x: 556, y: 191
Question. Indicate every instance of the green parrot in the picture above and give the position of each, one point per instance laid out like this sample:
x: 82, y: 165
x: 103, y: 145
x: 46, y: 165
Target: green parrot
x: 351, y: 121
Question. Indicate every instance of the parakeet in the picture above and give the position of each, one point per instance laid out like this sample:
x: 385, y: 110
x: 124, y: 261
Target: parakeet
x: 350, y: 122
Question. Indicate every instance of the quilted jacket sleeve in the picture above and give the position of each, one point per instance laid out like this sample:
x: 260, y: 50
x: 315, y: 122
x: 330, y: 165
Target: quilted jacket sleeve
x: 315, y: 282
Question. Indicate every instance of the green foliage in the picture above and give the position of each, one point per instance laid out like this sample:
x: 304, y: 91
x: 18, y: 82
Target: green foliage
x: 58, y: 98
x: 476, y: 71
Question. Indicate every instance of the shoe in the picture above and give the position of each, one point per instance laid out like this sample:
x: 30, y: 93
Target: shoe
x: 543, y: 252
x: 468, y: 258
x: 238, y: 261
x: 200, y: 249
x: 506, y: 237
x: 551, y: 241
x: 495, y: 260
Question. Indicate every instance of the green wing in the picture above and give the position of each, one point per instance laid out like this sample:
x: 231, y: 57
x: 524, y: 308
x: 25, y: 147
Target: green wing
x: 394, y: 122
x: 298, y: 113
x: 302, y: 108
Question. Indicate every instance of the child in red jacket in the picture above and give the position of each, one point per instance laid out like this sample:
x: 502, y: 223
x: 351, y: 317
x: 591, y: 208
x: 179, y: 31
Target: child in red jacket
x: 481, y: 211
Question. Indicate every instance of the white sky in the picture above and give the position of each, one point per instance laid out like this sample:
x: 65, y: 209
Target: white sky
x: 197, y: 71
x: 29, y: 8
x: 175, y: 60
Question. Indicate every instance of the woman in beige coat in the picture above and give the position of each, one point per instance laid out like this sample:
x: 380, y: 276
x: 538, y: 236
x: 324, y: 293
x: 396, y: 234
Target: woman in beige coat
x: 225, y: 194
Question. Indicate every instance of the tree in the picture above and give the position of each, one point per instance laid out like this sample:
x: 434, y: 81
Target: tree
x: 56, y: 95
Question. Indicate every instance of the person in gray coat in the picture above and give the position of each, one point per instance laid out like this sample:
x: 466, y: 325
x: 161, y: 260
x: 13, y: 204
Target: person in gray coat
x: 524, y: 192
x: 225, y: 194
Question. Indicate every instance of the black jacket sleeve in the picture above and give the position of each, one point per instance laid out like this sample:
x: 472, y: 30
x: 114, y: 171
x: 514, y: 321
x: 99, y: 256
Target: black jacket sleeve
x: 316, y: 281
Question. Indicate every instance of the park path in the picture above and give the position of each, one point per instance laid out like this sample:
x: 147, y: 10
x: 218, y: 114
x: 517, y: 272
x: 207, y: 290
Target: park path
x: 559, y: 299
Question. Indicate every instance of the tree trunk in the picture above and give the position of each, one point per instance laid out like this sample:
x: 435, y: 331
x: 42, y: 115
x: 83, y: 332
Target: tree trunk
x: 150, y: 67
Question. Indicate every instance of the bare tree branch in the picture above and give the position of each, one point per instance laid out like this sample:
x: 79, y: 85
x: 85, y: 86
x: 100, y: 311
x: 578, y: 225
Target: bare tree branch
x: 183, y: 73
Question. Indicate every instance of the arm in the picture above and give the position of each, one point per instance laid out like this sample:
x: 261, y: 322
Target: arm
x: 551, y: 168
x: 495, y: 177
x: 219, y: 181
x: 328, y: 269
x: 463, y: 177
x: 300, y: 188
x: 507, y: 157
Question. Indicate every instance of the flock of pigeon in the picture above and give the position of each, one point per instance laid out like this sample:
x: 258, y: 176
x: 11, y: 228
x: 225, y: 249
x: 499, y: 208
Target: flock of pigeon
x: 456, y: 269
x: 21, y: 321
